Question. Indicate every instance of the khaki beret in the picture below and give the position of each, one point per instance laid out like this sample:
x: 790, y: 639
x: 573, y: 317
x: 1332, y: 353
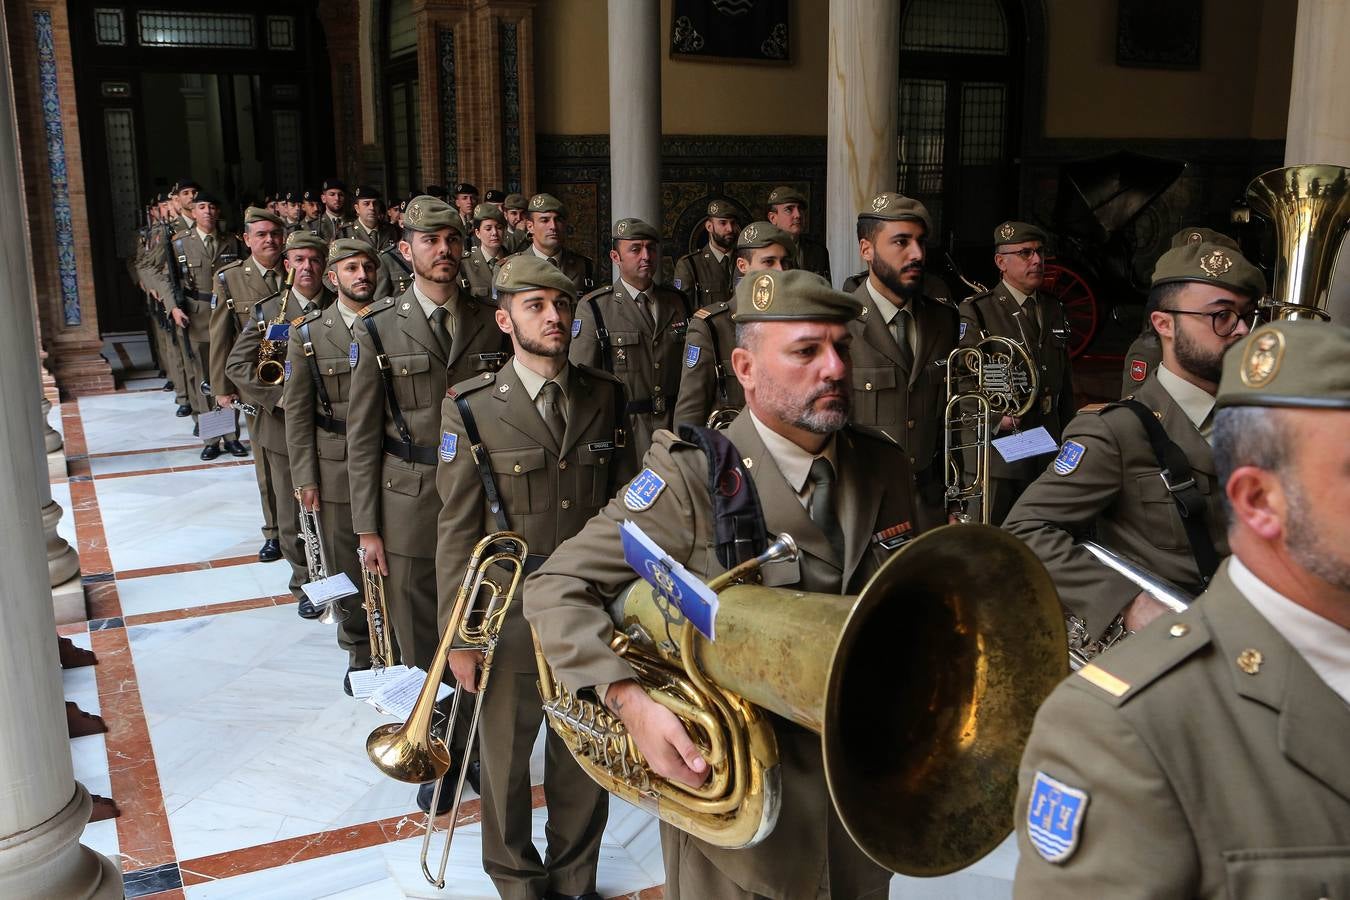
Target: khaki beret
x: 1210, y: 264
x: 725, y: 209
x: 1203, y: 235
x: 257, y: 214
x: 758, y: 235
x: 785, y: 194
x: 1289, y: 364
x: 343, y: 248
x: 893, y: 207
x: 515, y: 201
x: 305, y: 240
x: 795, y: 295
x: 488, y: 211
x: 1017, y: 233
x: 426, y: 213
x: 526, y: 271
x: 544, y: 203
x: 634, y: 230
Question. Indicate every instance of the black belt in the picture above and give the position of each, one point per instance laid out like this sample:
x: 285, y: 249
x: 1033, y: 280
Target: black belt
x: 331, y: 425
x: 203, y: 296
x: 655, y: 405
x: 410, y: 452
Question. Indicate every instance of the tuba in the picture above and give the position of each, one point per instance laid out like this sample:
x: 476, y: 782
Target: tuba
x: 271, y: 366
x: 1309, y: 207
x: 922, y: 688
x: 1082, y: 648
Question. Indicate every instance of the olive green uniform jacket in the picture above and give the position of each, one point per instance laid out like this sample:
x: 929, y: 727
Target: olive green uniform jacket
x: 708, y: 344
x: 812, y: 256
x: 238, y: 287
x: 1143, y: 357
x: 479, y: 270
x: 702, y: 278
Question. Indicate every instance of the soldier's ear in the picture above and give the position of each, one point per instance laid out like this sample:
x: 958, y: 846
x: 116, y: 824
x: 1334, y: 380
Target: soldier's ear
x: 503, y: 317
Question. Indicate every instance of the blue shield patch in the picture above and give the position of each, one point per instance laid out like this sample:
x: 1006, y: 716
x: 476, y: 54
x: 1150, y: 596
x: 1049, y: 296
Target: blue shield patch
x: 1055, y: 816
x: 449, y: 444
x: 643, y: 491
x: 287, y: 376
x: 1070, y: 455
x: 576, y: 327
x: 213, y: 301
x: 352, y: 353
x: 678, y: 285
x: 963, y: 331
x: 691, y: 356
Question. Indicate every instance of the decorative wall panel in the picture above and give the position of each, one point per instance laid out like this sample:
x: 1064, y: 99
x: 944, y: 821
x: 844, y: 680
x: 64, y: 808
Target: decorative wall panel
x: 56, y: 167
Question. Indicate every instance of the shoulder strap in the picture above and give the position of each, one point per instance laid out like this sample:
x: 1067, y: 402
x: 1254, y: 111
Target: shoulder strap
x: 387, y: 376
x: 719, y: 373
x: 480, y: 459
x: 314, y: 374
x: 738, y: 519
x: 601, y: 335
x: 1180, y: 482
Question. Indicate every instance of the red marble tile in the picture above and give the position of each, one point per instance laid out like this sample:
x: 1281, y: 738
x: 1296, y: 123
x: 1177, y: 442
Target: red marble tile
x: 112, y: 453
x: 143, y: 835
x: 171, y: 894
x: 102, y: 600
x: 72, y: 430
x: 72, y: 628
x: 91, y: 543
x: 211, y: 609
x: 290, y: 850
x: 187, y: 566
x: 77, y: 467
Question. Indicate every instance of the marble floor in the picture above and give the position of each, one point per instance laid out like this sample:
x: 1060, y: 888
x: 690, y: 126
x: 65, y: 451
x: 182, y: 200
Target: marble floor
x: 237, y: 761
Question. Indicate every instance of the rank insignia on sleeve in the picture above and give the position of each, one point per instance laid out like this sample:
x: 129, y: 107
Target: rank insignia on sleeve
x: 1055, y: 816
x: 576, y: 327
x: 691, y: 356
x: 962, y: 335
x: 353, y: 352
x: 1070, y: 455
x: 1138, y: 370
x: 449, y: 444
x: 643, y: 491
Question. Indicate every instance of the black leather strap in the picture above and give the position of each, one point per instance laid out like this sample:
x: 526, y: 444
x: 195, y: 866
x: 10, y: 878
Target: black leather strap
x: 404, y: 448
x: 601, y: 336
x: 480, y: 459
x: 719, y: 372
x: 308, y: 344
x: 410, y: 452
x: 738, y: 518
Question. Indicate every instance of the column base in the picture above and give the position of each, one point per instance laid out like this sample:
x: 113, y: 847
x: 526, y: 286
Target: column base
x: 79, y: 367
x: 62, y: 560
x: 56, y: 464
x: 68, y: 601
x: 48, y: 861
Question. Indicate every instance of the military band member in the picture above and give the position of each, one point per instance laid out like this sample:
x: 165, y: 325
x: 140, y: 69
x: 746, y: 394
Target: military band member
x: 407, y: 351
x: 552, y: 434
x: 185, y: 192
x: 370, y: 225
x: 311, y: 212
x: 517, y: 232
x: 288, y: 207
x: 705, y: 274
x: 333, y: 195
x: 150, y: 270
x: 816, y: 477
x: 787, y: 210
x: 1145, y: 352
x: 1125, y: 473
x: 198, y: 253
x: 304, y: 260
x: 707, y: 382
x: 1015, y: 309
x: 465, y: 200
x: 634, y: 329
x: 546, y: 220
x: 1205, y: 756
x: 480, y: 263
x: 496, y: 197
x: 901, y: 343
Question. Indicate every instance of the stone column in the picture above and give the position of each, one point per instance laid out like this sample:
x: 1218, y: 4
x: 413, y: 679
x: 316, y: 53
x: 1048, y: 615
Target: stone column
x: 635, y: 109
x: 44, y: 809
x: 860, y: 157
x: 1319, y: 130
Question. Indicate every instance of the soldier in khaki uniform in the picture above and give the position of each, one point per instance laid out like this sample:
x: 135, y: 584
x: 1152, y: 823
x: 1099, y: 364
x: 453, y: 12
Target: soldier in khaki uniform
x: 1121, y: 478
x: 901, y: 343
x: 198, y: 254
x: 787, y: 210
x: 465, y: 202
x: 635, y: 330
x: 705, y: 274
x: 147, y: 269
x: 707, y: 382
x: 370, y: 224
x: 816, y: 478
x: 517, y: 236
x: 304, y: 263
x: 311, y: 211
x: 1206, y: 756
x: 546, y: 220
x: 333, y: 217
x: 1013, y: 309
x: 480, y: 263
x: 1145, y: 352
x: 315, y: 398
x: 552, y: 432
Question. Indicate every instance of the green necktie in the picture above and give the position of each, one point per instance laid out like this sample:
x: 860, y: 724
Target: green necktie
x: 822, y: 510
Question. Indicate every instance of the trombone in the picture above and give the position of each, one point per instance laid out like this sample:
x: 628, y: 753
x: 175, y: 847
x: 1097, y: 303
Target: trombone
x: 316, y: 560
x: 412, y: 752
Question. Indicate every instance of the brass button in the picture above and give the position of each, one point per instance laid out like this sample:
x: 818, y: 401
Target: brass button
x: 405, y: 370
x: 562, y: 464
x: 330, y: 370
x: 656, y: 365
x: 867, y: 386
x: 516, y: 468
x: 910, y: 423
x: 1250, y: 660
x: 603, y: 460
x: 657, y: 389
x: 1181, y: 629
x: 911, y: 460
x: 388, y: 484
x: 566, y: 504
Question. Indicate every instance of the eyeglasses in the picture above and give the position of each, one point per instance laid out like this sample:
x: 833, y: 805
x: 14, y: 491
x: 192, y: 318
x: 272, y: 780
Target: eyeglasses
x: 1026, y: 253
x: 1224, y: 321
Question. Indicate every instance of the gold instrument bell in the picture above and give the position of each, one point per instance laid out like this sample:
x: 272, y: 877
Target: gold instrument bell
x: 1309, y: 208
x: 922, y: 688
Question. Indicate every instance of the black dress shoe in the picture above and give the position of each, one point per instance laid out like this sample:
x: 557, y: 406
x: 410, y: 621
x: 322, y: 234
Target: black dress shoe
x: 270, y: 551
x: 210, y: 452
x: 236, y: 448
x: 306, y: 607
x: 425, y: 791
x: 554, y: 895
x: 347, y: 681
x: 183, y: 411
x: 168, y: 387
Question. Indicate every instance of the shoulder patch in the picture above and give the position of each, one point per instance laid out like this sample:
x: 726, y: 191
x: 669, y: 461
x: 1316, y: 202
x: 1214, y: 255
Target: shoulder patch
x: 576, y: 326
x: 353, y: 354
x: 679, y: 284
x: 286, y: 376
x: 643, y: 491
x: 1070, y: 455
x: 962, y: 335
x: 1138, y: 369
x: 449, y: 446
x: 691, y: 356
x: 1055, y: 814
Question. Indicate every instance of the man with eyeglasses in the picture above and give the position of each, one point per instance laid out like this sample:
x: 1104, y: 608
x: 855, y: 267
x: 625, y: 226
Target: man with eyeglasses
x: 1014, y: 309
x: 1138, y: 475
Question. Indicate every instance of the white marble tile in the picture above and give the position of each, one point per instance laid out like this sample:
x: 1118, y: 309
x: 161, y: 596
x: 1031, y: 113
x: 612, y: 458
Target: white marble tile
x: 202, y: 587
x: 101, y: 837
x: 54, y: 419
x: 356, y: 874
x: 144, y: 462
x: 81, y: 685
x: 133, y: 421
x: 180, y: 517
x: 147, y: 383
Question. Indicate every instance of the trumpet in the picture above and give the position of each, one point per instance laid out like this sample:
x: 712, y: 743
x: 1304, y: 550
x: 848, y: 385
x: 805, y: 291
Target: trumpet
x: 316, y: 560
x: 412, y: 752
x: 271, y: 366
x: 377, y: 616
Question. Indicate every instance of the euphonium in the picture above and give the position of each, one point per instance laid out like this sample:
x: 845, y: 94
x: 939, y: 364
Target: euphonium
x: 922, y: 688
x: 271, y: 366
x: 316, y: 561
x: 722, y: 417
x: 411, y: 752
x: 994, y: 378
x: 377, y: 616
x: 1082, y: 648
x: 1309, y: 207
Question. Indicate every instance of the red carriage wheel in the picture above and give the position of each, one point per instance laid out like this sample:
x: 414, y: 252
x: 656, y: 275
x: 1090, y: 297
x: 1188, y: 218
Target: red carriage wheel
x: 1078, y: 300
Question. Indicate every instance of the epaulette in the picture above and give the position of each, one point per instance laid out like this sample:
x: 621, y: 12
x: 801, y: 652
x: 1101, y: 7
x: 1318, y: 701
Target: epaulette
x: 182, y: 233
x: 377, y: 306
x: 1114, y: 404
x: 469, y: 385
x: 601, y: 374
x: 1140, y: 660
x: 232, y: 264
x: 299, y: 320
x: 980, y: 296
x: 606, y: 289
x: 704, y: 312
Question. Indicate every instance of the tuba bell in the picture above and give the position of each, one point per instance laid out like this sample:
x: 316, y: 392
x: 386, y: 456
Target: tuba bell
x: 1309, y: 207
x: 922, y: 689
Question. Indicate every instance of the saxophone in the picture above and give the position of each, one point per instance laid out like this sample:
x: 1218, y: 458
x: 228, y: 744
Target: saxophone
x: 271, y: 366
